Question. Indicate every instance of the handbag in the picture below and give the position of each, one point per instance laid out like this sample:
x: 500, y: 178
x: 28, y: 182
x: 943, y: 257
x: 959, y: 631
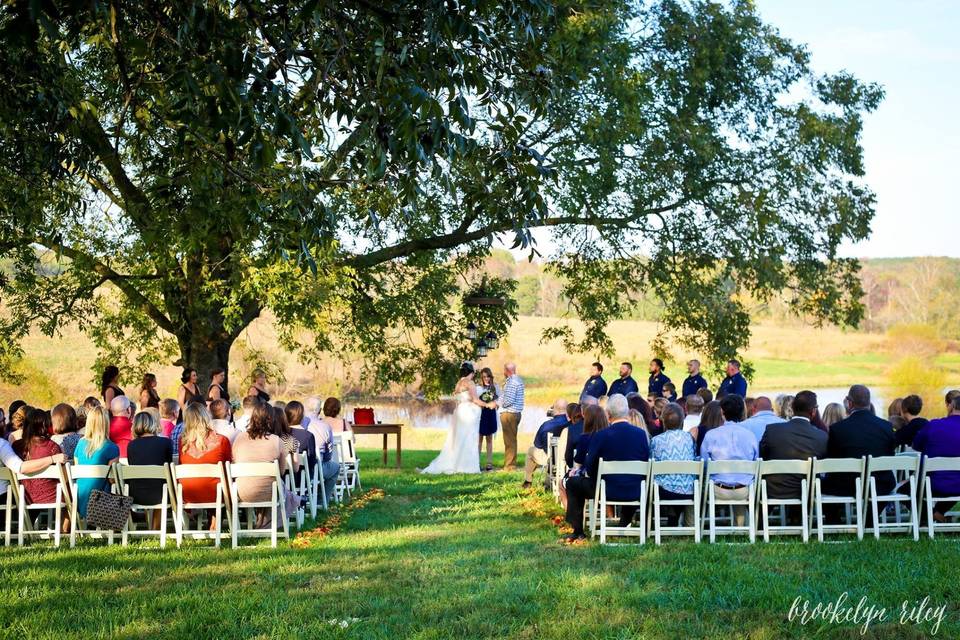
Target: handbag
x: 363, y: 416
x: 108, y: 510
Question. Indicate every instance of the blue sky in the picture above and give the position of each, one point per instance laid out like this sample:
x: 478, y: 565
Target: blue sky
x: 911, y: 143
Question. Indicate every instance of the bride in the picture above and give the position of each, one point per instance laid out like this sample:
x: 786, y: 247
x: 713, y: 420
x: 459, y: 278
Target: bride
x: 459, y: 453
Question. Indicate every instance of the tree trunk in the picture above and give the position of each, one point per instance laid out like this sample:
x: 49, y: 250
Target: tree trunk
x: 205, y: 352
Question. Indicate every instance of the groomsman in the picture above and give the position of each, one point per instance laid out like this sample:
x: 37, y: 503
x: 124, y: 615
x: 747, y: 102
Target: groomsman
x: 694, y: 381
x: 595, y: 385
x: 734, y: 382
x: 657, y: 378
x: 625, y: 383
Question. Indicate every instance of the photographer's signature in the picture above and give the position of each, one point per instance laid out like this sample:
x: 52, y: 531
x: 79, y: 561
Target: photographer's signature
x: 863, y: 614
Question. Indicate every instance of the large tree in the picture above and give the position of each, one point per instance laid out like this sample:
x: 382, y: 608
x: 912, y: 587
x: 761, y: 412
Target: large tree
x: 181, y: 167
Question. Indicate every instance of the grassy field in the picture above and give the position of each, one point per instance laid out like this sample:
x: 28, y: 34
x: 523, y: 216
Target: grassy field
x: 465, y: 557
x: 785, y: 357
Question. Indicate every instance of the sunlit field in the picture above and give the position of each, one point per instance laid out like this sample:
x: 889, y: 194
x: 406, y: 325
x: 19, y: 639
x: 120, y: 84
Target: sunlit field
x: 463, y: 557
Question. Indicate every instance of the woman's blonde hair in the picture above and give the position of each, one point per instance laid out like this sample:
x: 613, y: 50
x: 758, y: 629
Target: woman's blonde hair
x: 97, y: 429
x: 196, y: 427
x: 833, y: 413
x: 145, y: 423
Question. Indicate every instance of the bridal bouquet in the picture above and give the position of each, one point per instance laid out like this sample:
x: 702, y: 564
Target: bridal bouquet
x: 488, y: 396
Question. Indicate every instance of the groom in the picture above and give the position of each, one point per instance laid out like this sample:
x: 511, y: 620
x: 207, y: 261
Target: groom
x: 511, y: 406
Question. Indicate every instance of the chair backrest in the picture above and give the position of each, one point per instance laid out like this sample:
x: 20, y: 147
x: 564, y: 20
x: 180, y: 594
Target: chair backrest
x: 941, y: 464
x: 141, y: 472
x: 623, y: 467
x: 181, y: 471
x: 254, y: 470
x: 88, y: 471
x: 53, y: 472
x: 681, y: 467
x: 732, y: 466
x: 344, y: 442
x: 908, y: 463
x: 793, y: 467
x: 839, y: 465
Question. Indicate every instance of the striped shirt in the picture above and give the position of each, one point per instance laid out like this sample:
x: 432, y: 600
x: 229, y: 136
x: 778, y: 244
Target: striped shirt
x: 512, y: 400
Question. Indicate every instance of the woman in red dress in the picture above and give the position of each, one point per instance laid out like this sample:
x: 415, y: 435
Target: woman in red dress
x: 200, y: 444
x: 35, y: 445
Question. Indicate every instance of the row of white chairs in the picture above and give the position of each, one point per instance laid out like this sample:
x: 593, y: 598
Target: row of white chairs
x: 912, y: 474
x: 308, y: 484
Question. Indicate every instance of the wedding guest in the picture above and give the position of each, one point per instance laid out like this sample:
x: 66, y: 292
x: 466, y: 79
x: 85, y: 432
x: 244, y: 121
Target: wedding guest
x: 281, y: 429
x: 488, y: 391
x: 784, y: 406
x: 148, y: 392
x: 331, y: 415
x: 734, y: 382
x: 17, y: 420
x: 639, y: 410
x: 169, y: 410
x: 670, y: 392
x: 259, y: 443
x: 537, y: 454
x: 64, y: 423
x: 217, y: 389
x: 120, y: 424
x: 511, y: 408
x: 732, y: 441
x: 625, y: 384
x: 189, y: 391
x: 323, y: 436
x: 694, y: 381
x: 710, y: 418
x: 910, y: 410
x: 258, y: 388
x: 294, y: 413
x: 10, y: 459
x: 893, y: 414
x: 3, y: 424
x: 941, y: 438
x: 200, y: 444
x: 94, y: 449
x: 833, y: 413
x: 706, y: 395
x: 595, y: 385
x: 762, y: 416
x: 109, y: 384
x: 694, y: 409
x: 657, y: 378
x: 796, y: 439
x: 748, y: 403
x: 35, y: 443
x: 948, y: 400
x: 89, y: 403
x: 620, y: 441
x: 148, y: 448
x: 674, y: 444
x: 858, y: 435
x: 220, y: 420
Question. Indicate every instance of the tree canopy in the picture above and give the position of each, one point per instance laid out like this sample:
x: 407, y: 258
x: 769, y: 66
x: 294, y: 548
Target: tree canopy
x: 182, y: 167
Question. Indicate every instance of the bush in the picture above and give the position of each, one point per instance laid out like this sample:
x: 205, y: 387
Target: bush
x: 915, y: 374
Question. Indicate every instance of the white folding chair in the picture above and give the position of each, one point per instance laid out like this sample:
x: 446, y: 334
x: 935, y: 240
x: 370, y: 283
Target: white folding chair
x: 308, y: 482
x: 853, y: 505
x: 672, y: 467
x: 181, y: 472
x: 559, y: 463
x: 53, y: 511
x: 346, y: 454
x: 908, y: 465
x: 639, y: 468
x: 127, y: 473
x: 750, y: 502
x: 296, y: 486
x: 351, y: 462
x: 319, y: 488
x: 276, y: 503
x: 934, y: 465
x: 9, y: 503
x: 784, y: 467
x: 78, y: 524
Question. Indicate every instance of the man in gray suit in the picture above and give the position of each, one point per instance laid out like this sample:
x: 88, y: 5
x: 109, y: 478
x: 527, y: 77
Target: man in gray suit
x: 797, y: 439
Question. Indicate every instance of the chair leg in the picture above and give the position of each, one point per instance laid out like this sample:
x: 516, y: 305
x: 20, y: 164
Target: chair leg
x: 656, y: 516
x: 914, y: 517
x: 876, y: 511
x: 712, y: 506
x: 273, y: 517
x: 57, y: 520
x: 764, y: 513
x: 21, y: 516
x: 234, y: 520
x: 930, y: 522
x: 752, y: 512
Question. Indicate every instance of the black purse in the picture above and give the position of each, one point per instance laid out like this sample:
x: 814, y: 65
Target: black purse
x: 108, y: 511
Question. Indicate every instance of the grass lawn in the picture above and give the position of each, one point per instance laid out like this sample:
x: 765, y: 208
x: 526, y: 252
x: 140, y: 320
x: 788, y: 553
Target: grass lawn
x: 464, y: 557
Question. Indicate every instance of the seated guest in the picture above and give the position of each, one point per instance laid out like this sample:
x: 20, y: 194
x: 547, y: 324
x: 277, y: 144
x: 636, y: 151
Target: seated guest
x: 940, y: 438
x: 169, y: 412
x: 910, y: 409
x: 748, y: 403
x: 64, y: 419
x: 14, y: 407
x: 35, y: 443
x: 797, y: 439
x: 706, y: 395
x: 220, y: 420
x: 17, y: 418
x: 331, y: 415
x: 578, y: 440
x: 148, y: 448
x: 537, y: 453
x: 200, y: 444
x: 859, y: 435
x: 323, y: 437
x: 94, y: 448
x: 249, y: 402
x: 10, y: 459
x: 674, y: 444
x: 641, y: 414
x: 259, y: 443
x: 574, y: 431
x: 732, y: 441
x: 281, y: 429
x: 620, y: 441
x: 694, y: 409
x: 893, y: 414
x: 306, y: 443
x: 951, y: 395
x: 595, y: 386
x: 710, y: 418
x: 625, y: 384
x: 670, y: 391
x: 762, y: 416
x: 121, y: 427
x: 833, y: 414
x: 784, y: 406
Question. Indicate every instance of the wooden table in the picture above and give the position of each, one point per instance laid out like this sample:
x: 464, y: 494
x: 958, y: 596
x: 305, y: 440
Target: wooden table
x: 385, y: 429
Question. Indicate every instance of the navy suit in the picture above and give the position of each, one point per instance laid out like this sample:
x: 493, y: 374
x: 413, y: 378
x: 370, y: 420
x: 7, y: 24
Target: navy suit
x: 656, y: 382
x: 623, y: 386
x: 735, y: 384
x: 693, y: 384
x: 574, y: 431
x: 552, y: 427
x: 794, y: 440
x: 594, y: 386
x: 859, y: 435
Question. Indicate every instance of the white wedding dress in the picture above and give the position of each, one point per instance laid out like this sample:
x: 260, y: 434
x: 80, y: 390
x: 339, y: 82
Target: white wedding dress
x: 460, y: 453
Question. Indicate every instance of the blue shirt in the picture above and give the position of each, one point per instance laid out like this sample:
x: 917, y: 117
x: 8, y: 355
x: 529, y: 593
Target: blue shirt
x: 693, y: 384
x: 730, y: 441
x: 674, y: 444
x: 552, y: 427
x: 735, y: 384
x: 594, y: 386
x: 512, y: 400
x: 623, y: 386
x: 175, y: 438
x: 656, y: 382
x: 85, y: 486
x: 620, y: 441
x: 757, y: 423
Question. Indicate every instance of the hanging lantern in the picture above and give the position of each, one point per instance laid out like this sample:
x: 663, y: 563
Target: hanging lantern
x: 472, y: 331
x: 481, y: 348
x: 492, y: 340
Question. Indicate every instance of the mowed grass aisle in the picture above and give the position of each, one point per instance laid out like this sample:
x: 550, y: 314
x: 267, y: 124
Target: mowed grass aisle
x: 463, y: 557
